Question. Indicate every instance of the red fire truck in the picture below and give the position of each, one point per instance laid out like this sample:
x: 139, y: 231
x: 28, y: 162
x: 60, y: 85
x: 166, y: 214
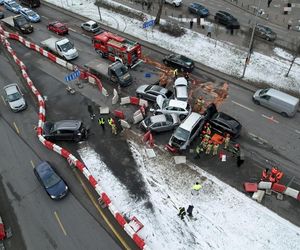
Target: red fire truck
x: 117, y: 48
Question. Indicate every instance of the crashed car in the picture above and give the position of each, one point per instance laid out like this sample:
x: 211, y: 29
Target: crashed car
x: 160, y: 123
x: 181, y: 89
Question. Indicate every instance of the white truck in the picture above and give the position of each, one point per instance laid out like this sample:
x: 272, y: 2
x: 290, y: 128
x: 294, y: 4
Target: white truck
x: 63, y: 47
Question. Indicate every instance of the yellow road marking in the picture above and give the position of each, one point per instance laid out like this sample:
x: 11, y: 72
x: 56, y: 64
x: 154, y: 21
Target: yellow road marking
x: 60, y: 224
x: 32, y: 164
x: 16, y: 128
x: 3, y: 100
x: 101, y: 213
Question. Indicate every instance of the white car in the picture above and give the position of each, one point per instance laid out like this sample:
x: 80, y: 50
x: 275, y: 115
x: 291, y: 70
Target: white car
x: 176, y: 3
x: 170, y: 106
x: 14, y: 97
x: 181, y: 89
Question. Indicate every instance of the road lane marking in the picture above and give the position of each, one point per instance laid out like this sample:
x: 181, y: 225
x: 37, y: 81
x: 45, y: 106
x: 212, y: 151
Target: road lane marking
x: 271, y: 118
x: 73, y: 30
x: 243, y: 106
x: 297, y: 131
x: 32, y: 164
x: 96, y: 204
x: 3, y: 100
x: 255, y: 137
x: 16, y: 128
x: 45, y: 17
x: 60, y: 224
x: 85, y: 35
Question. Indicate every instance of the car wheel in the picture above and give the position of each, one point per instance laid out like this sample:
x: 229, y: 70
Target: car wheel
x: 100, y: 53
x: 268, y: 38
x: 284, y: 114
x: 139, y: 95
x: 256, y: 102
x: 216, y: 19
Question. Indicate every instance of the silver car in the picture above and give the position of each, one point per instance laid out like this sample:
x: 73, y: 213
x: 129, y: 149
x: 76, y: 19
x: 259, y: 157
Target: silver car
x: 150, y: 92
x: 181, y: 89
x: 170, y: 106
x: 14, y: 97
x: 160, y: 123
x: 90, y: 26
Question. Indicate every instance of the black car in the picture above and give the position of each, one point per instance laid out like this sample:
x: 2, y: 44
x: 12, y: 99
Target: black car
x: 223, y: 123
x: 65, y: 130
x: 150, y: 92
x: 1, y: 15
x: 198, y: 9
x: 179, y: 62
x: 227, y: 19
x: 264, y: 32
x: 54, y: 185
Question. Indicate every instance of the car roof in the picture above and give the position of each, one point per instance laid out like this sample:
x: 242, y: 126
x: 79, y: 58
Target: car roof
x: 177, y: 103
x: 283, y: 96
x: 190, y: 120
x: 67, y: 124
x: 11, y: 88
x: 222, y: 117
x: 44, y: 168
x: 90, y: 22
x: 158, y: 118
x: 158, y: 88
x: 180, y: 81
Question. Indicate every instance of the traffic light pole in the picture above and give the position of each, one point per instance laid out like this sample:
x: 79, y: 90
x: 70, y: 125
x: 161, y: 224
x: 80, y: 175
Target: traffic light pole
x: 251, y: 40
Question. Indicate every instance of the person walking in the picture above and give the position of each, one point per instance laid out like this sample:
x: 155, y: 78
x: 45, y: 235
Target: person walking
x: 290, y: 24
x: 112, y: 123
x: 240, y: 158
x: 226, y: 141
x: 91, y: 111
x: 181, y: 212
x: 200, y: 103
x: 269, y: 2
x: 209, y: 30
x: 209, y: 147
x: 101, y: 122
x: 175, y: 73
x: 198, y: 151
x: 191, y: 24
x: 215, y: 148
x: 190, y: 210
x: 196, y: 188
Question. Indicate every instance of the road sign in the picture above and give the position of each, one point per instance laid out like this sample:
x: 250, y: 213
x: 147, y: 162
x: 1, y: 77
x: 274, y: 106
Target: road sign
x: 75, y: 74
x: 148, y: 24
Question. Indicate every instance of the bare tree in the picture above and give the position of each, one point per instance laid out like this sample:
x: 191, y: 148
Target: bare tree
x: 296, y: 53
x: 160, y: 8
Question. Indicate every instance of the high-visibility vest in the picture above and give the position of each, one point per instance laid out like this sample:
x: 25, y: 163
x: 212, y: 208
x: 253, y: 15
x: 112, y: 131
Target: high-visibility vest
x: 110, y: 121
x: 196, y: 187
x: 101, y: 121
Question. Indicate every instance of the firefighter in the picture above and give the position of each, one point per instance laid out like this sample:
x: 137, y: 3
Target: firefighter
x: 198, y: 151
x: 209, y: 147
x: 208, y: 128
x: 200, y: 103
x: 101, y: 122
x: 181, y: 212
x: 226, y: 141
x: 265, y: 174
x: 203, y: 144
x: 112, y: 123
x: 175, y: 72
x: 279, y: 176
x: 190, y: 210
x: 215, y: 148
x: 206, y: 136
x: 274, y: 172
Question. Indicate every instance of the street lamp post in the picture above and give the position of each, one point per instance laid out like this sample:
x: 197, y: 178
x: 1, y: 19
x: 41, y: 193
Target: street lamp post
x: 251, y: 40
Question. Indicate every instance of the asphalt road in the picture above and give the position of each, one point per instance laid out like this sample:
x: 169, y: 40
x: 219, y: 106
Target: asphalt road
x: 49, y: 79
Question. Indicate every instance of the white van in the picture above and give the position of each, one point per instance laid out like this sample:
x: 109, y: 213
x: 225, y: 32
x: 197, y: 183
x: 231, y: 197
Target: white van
x: 276, y: 100
x: 187, y: 131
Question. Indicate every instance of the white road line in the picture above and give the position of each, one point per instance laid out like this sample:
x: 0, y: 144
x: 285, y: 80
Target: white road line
x: 73, y: 30
x: 257, y: 137
x: 297, y: 131
x: 270, y: 118
x: 45, y: 17
x: 86, y: 35
x: 243, y: 106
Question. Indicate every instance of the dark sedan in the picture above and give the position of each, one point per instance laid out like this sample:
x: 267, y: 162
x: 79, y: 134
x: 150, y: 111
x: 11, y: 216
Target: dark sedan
x: 198, y: 9
x: 179, y: 62
x: 227, y: 19
x: 223, y: 123
x: 54, y: 185
x: 150, y: 92
x: 264, y: 32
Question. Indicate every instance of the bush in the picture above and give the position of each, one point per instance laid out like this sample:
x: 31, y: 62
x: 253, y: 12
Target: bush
x: 173, y: 29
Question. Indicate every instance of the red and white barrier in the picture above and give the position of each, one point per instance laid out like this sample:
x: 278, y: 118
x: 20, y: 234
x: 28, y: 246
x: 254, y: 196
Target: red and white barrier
x: 63, y: 152
x: 134, y: 101
x: 2, y: 230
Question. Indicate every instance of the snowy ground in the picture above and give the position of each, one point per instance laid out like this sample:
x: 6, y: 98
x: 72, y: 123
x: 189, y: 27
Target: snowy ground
x: 223, y: 218
x: 225, y: 57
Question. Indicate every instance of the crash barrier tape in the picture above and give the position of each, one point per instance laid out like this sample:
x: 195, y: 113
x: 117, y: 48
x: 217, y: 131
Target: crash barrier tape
x: 278, y: 188
x: 2, y: 230
x: 134, y: 100
x: 84, y: 74
x: 137, y: 116
x: 120, y: 114
x: 292, y: 192
x: 65, y: 153
x: 115, y: 98
x: 124, y: 124
x: 264, y: 185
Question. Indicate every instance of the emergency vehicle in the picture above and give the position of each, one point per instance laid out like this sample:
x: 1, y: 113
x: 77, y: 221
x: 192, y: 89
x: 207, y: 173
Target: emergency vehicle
x: 117, y: 48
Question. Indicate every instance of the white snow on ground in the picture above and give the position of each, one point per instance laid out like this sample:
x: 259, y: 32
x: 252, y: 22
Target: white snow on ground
x: 223, y: 217
x: 225, y: 57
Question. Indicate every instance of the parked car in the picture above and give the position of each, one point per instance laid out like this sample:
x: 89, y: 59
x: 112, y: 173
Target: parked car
x: 54, y: 185
x: 181, y: 89
x: 160, y: 123
x: 227, y: 19
x: 150, y: 92
x: 12, y: 6
x: 65, y: 130
x: 58, y: 28
x: 179, y: 62
x: 223, y: 123
x: 175, y: 3
x: 198, y: 9
x: 1, y: 15
x: 31, y: 3
x: 264, y: 32
x: 1, y: 2
x: 14, y: 97
x: 30, y: 15
x: 170, y: 106
x: 90, y: 26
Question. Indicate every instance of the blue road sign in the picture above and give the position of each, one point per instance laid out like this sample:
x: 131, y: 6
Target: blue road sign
x: 148, y: 24
x: 75, y: 74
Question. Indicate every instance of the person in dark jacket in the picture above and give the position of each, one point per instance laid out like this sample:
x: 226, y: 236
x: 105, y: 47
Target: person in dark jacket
x: 240, y: 158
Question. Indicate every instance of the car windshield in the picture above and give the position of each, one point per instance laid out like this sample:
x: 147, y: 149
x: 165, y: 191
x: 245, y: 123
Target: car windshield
x: 31, y: 13
x: 22, y: 21
x: 14, y: 5
x: 121, y: 71
x: 51, y: 180
x: 95, y: 25
x: 169, y: 118
x: 165, y: 103
x: 14, y: 97
x: 181, y: 134
x: 147, y: 121
x: 263, y: 91
x: 67, y: 46
x: 185, y: 59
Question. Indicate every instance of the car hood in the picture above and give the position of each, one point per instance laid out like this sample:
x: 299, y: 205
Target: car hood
x: 70, y: 52
x: 126, y: 78
x: 17, y: 103
x: 256, y: 94
x: 47, y: 128
x: 58, y: 189
x: 141, y: 89
x: 160, y: 100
